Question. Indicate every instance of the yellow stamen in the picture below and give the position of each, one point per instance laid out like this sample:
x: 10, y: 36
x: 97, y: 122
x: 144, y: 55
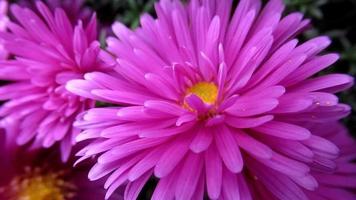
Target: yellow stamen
x: 206, y: 91
x: 37, y: 185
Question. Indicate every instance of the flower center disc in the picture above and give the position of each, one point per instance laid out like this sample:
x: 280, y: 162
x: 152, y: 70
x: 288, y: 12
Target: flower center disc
x: 34, y: 185
x: 206, y: 91
x: 41, y: 188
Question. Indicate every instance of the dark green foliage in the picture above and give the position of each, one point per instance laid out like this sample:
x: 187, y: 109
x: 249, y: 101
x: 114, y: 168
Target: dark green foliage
x: 126, y: 11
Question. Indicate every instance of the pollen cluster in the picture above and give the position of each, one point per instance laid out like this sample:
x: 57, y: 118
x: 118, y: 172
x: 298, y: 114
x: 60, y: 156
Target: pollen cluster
x: 206, y: 91
x: 35, y: 184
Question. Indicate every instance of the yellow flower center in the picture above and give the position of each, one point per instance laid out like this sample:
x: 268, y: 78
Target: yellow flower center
x: 206, y: 91
x: 36, y: 185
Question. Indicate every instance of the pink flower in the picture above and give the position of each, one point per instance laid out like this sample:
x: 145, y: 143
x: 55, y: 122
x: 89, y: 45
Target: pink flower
x: 327, y: 180
x: 40, y: 175
x: 342, y: 183
x: 212, y: 102
x: 47, y: 52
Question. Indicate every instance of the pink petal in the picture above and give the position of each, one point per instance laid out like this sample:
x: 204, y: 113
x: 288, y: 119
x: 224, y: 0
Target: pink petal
x: 201, y: 141
x: 134, y: 188
x: 327, y: 83
x: 230, y: 186
x: 171, y: 157
x: 189, y: 176
x: 284, y: 130
x: 238, y: 122
x: 228, y: 149
x: 253, y: 146
x: 252, y: 107
x: 213, y: 170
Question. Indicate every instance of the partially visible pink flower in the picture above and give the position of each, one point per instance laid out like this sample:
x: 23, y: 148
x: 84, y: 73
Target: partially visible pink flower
x: 40, y: 175
x: 327, y: 180
x: 214, y: 102
x: 342, y: 183
x: 3, y: 26
x: 48, y: 51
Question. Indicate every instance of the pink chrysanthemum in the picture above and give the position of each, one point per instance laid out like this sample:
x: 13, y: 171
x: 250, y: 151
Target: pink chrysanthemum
x: 39, y: 175
x: 336, y: 183
x: 342, y: 183
x: 48, y: 51
x: 212, y: 101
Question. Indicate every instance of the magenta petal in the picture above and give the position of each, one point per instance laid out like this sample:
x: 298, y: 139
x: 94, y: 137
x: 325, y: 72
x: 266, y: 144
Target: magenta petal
x: 165, y: 188
x: 165, y: 107
x: 133, y: 188
x: 310, y: 68
x: 202, y: 140
x: 279, y: 185
x: 189, y: 117
x: 245, y: 122
x: 213, y: 170
x: 284, y: 130
x: 292, y: 103
x: 189, y: 177
x: 230, y: 183
x: 252, y: 107
x: 328, y: 83
x: 322, y: 146
x: 196, y: 103
x: 252, y: 146
x: 167, y: 163
x: 228, y: 149
x: 308, y: 182
x: 144, y: 165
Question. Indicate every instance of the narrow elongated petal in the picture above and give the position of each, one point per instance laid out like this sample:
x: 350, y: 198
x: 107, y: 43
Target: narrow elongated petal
x: 284, y: 130
x: 213, y: 170
x: 228, y: 149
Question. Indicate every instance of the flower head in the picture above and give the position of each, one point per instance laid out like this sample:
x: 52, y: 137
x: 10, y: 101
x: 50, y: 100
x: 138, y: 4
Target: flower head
x: 39, y: 175
x: 47, y: 51
x: 212, y: 102
x: 342, y: 183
